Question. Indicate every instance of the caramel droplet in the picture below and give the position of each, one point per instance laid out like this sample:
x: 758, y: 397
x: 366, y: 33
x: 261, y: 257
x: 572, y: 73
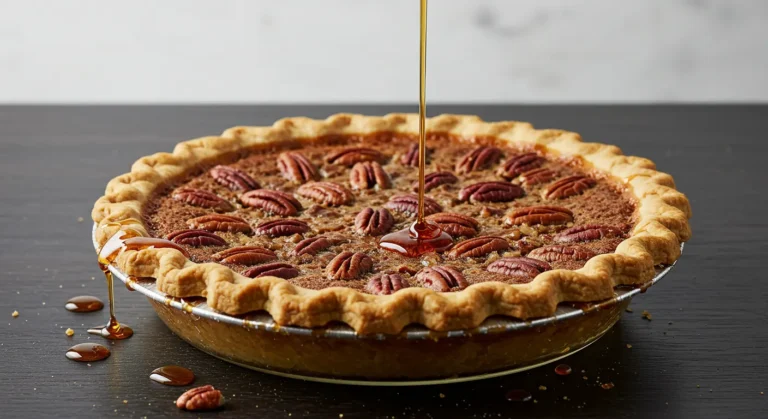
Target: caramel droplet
x: 84, y: 304
x: 172, y: 375
x: 87, y: 352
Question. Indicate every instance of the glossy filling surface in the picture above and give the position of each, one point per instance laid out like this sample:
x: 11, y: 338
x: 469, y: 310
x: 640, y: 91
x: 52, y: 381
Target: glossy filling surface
x: 313, y: 212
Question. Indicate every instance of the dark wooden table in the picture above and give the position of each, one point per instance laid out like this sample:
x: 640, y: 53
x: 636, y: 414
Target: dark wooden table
x: 702, y: 355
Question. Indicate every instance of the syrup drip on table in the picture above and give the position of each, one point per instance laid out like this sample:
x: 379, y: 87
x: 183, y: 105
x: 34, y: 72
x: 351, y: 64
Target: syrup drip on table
x: 88, y: 352
x: 126, y: 238
x: 563, y: 369
x: 172, y: 375
x: 84, y: 304
x: 421, y: 237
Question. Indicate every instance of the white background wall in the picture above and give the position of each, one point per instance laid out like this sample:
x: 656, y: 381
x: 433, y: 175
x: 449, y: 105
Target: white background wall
x: 367, y: 51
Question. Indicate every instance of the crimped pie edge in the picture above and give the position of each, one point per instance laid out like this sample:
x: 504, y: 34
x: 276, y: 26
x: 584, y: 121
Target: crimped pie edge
x: 662, y: 224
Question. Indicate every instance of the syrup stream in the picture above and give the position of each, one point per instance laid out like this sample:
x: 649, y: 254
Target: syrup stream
x: 422, y: 107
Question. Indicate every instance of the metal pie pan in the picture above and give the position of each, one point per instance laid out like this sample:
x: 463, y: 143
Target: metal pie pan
x: 416, y: 356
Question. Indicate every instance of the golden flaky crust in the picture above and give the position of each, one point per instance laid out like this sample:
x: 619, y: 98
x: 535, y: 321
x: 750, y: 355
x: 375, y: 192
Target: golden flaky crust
x: 663, y: 215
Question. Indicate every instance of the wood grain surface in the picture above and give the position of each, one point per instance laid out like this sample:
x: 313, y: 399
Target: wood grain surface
x: 702, y: 355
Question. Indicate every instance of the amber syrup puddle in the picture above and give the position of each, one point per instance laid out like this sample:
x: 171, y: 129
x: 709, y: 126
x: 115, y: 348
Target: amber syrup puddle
x: 421, y: 237
x: 126, y: 238
x: 563, y: 369
x: 87, y: 352
x: 172, y: 375
x: 84, y: 304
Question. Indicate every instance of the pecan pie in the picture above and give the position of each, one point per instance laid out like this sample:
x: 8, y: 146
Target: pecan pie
x: 288, y: 219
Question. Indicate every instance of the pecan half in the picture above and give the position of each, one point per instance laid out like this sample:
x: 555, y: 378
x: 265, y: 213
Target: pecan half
x: 234, y: 179
x: 366, y: 175
x: 200, y: 398
x: 326, y: 193
x: 528, y: 243
x: 586, y: 233
x: 411, y: 157
x: 278, y: 269
x: 348, y: 265
x: 558, y: 253
x: 196, y: 238
x: 516, y: 165
x: 409, y: 204
x: 569, y: 186
x: 220, y: 222
x: 442, y: 278
x: 435, y: 179
x: 544, y: 214
x: 245, y: 255
x: 387, y: 283
x: 274, y: 202
x: 204, y: 199
x: 350, y: 156
x: 294, y: 166
x: 311, y: 246
x: 476, y: 247
x: 536, y: 176
x: 521, y: 268
x: 374, y: 222
x: 456, y: 225
x: 491, y: 192
x: 277, y: 228
x: 478, y: 159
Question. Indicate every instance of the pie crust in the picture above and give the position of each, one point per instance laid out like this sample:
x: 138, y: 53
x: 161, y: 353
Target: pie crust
x: 661, y: 225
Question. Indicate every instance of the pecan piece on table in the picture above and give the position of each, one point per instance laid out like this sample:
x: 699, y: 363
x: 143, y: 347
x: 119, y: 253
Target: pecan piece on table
x: 569, y: 186
x: 348, y: 265
x: 350, y: 156
x: 586, y: 233
x: 274, y: 202
x: 220, y: 222
x: 200, y: 398
x: 277, y: 228
x: 409, y: 204
x: 411, y: 157
x: 521, y: 268
x: 311, y: 246
x: 543, y: 214
x: 234, y: 179
x: 277, y: 269
x: 203, y: 199
x: 325, y: 193
x: 374, y: 222
x: 478, y: 159
x: 516, y: 165
x: 366, y: 175
x: 296, y: 167
x: 558, y: 253
x: 245, y: 255
x: 476, y: 247
x: 435, y: 179
x: 536, y: 176
x: 196, y: 238
x: 442, y: 278
x: 491, y: 192
x: 456, y: 225
x: 387, y: 283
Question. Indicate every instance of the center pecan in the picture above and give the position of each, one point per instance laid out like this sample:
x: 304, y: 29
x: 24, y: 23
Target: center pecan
x: 543, y: 214
x: 480, y: 158
x: 286, y: 227
x: 569, y: 186
x: 558, y: 253
x: 435, y: 179
x: 586, y: 233
x: 366, y: 175
x: 196, y: 238
x: 536, y: 176
x: 521, y: 268
x: 204, y: 199
x: 234, y: 179
x: 442, y: 278
x: 274, y: 202
x: 296, y: 167
x: 386, y: 283
x: 456, y: 225
x: 245, y: 255
x: 374, y: 222
x: 491, y: 192
x: 350, y: 156
x: 325, y: 193
x: 311, y: 246
x: 409, y: 204
x: 220, y: 222
x: 411, y: 157
x: 348, y: 265
x: 516, y: 165
x: 476, y: 247
x: 277, y: 269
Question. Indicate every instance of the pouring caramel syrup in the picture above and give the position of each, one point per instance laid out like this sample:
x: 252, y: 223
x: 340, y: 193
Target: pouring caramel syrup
x: 422, y: 236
